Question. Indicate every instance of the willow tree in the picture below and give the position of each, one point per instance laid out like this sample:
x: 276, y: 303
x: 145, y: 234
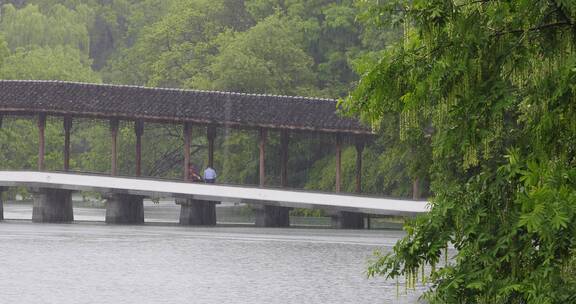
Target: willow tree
x: 495, y: 81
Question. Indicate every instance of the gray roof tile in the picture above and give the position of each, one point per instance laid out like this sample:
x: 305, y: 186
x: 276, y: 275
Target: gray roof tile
x: 175, y: 105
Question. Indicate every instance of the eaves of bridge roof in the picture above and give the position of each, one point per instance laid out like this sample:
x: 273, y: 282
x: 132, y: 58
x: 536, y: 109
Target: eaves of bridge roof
x: 176, y: 106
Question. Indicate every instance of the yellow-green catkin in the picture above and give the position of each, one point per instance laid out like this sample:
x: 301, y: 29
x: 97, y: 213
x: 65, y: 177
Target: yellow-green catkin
x: 397, y: 287
x: 446, y: 256
x: 406, y: 282
x: 423, y: 275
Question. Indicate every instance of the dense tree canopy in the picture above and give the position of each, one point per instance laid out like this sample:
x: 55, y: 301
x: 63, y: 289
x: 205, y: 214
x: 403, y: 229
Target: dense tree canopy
x: 46, y: 63
x: 4, y: 51
x: 493, y: 85
x: 57, y: 26
x: 176, y: 48
x: 267, y: 58
x: 297, y: 47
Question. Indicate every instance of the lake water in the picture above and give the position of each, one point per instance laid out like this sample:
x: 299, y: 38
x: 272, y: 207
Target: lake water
x: 91, y: 262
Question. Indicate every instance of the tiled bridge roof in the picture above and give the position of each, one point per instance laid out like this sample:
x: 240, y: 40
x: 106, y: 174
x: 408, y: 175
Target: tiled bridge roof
x: 174, y: 105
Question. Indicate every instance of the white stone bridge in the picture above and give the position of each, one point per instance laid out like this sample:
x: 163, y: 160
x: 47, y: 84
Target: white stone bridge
x: 53, y: 201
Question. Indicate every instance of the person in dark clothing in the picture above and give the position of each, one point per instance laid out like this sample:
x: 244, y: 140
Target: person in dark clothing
x: 193, y: 174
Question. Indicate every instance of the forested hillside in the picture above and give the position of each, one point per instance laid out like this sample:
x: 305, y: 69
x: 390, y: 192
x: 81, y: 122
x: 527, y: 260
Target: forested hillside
x: 289, y: 47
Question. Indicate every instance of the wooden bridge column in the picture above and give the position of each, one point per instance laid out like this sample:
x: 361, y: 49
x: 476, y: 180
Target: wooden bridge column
x: 262, y: 146
x: 284, y: 142
x: 139, y: 131
x: 41, y: 140
x: 114, y: 123
x: 359, y: 150
x: 187, y: 141
x: 268, y: 215
x: 416, y: 188
x: 67, y: 128
x: 345, y: 219
x: 338, y: 162
x: 211, y: 135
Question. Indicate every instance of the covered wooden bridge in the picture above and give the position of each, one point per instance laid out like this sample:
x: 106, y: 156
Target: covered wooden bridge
x: 208, y: 110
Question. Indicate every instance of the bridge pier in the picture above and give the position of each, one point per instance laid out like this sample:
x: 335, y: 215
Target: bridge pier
x: 124, y: 209
x: 197, y: 212
x: 2, y: 189
x: 52, y: 206
x: 272, y: 216
x: 347, y: 220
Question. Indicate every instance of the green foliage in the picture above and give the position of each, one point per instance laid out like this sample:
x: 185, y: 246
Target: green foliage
x: 569, y: 271
x: 238, y: 158
x: 323, y: 174
x: 267, y: 58
x: 15, y: 139
x: 175, y: 49
x: 29, y: 27
x: 139, y: 14
x: 492, y: 84
x: 4, y: 51
x: 58, y: 63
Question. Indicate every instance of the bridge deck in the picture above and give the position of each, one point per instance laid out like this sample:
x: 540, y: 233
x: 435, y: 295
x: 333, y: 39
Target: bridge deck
x: 213, y: 192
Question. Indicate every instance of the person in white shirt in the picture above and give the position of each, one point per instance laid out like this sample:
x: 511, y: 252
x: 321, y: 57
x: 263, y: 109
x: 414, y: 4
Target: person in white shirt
x: 209, y: 175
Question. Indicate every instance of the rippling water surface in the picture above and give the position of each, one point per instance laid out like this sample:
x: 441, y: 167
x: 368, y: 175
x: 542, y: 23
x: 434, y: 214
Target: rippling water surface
x: 154, y: 263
